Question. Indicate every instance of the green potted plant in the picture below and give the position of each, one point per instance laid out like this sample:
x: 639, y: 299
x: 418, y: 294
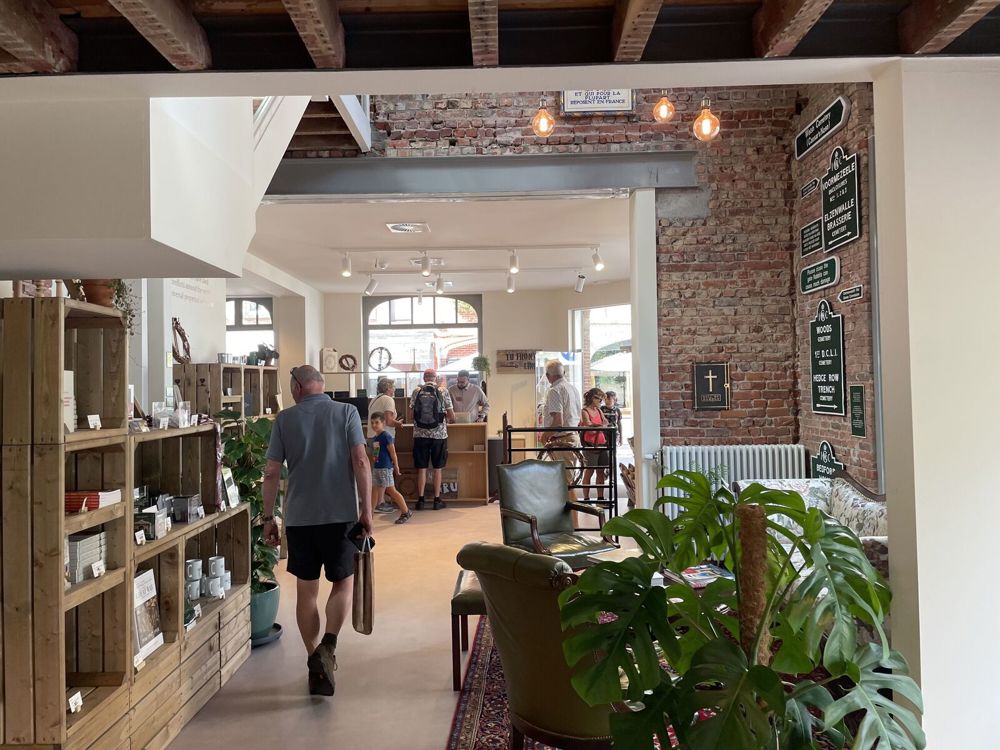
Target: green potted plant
x: 767, y: 660
x: 245, y: 452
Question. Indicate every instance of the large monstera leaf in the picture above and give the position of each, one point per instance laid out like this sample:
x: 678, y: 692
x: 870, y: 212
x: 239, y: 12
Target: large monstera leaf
x: 700, y: 531
x: 652, y: 531
x: 885, y: 724
x: 624, y: 645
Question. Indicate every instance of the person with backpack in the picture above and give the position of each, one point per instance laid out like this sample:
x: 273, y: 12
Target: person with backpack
x: 432, y: 410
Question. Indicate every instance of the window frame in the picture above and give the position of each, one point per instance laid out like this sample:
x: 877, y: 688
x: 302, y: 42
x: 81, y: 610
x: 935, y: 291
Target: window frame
x: 266, y: 302
x: 475, y: 301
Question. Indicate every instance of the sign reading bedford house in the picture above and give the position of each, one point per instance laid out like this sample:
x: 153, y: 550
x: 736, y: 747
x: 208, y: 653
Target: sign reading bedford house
x: 515, y: 361
x: 582, y: 102
x: 819, y: 275
x: 841, y: 216
x: 857, y: 398
x: 829, y: 121
x: 826, y: 360
x: 711, y: 385
x: 811, y: 237
x: 824, y: 462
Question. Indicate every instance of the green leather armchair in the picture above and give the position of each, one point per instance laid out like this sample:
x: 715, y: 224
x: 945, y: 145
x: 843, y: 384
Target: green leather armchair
x: 522, y: 603
x: 536, y: 516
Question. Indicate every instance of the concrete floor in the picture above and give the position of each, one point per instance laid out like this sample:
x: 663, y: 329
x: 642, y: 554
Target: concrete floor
x: 393, y: 687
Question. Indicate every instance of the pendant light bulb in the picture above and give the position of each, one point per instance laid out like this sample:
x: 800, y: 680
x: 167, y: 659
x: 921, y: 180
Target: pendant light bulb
x: 663, y: 110
x: 439, y: 287
x: 598, y: 261
x: 706, y: 125
x: 372, y: 285
x: 510, y: 284
x: 543, y: 123
x: 425, y: 265
x: 345, y: 266
x: 515, y: 263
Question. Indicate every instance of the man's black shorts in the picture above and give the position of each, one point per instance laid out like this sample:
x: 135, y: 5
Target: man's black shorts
x: 326, y: 546
x: 430, y: 452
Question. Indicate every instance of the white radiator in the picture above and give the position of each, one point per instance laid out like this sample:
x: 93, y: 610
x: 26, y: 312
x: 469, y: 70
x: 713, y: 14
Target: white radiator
x: 741, y: 462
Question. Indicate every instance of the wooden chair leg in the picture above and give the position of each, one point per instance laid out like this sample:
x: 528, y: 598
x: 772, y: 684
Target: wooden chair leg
x: 465, y: 632
x: 516, y: 739
x: 456, y: 656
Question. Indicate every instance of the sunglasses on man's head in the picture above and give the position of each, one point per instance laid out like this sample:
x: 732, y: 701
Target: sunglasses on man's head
x: 295, y: 377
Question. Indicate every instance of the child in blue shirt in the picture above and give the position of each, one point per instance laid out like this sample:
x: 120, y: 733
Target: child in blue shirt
x: 385, y: 465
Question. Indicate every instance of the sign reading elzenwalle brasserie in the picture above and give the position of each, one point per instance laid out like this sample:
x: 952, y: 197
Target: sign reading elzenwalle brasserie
x: 811, y: 237
x: 820, y: 275
x: 829, y: 121
x: 711, y: 385
x: 826, y: 359
x: 590, y: 101
x: 841, y: 216
x: 824, y: 462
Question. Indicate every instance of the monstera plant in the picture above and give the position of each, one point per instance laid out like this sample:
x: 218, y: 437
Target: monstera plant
x: 768, y: 660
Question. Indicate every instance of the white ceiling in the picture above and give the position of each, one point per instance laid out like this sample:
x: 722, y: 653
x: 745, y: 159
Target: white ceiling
x: 554, y: 238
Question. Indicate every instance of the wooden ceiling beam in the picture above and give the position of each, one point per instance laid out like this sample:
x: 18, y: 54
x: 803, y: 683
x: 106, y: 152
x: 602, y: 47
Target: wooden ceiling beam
x: 634, y: 21
x: 32, y: 34
x: 323, y: 143
x: 484, y: 27
x: 928, y: 26
x: 322, y: 126
x: 318, y: 23
x: 779, y: 25
x: 171, y: 28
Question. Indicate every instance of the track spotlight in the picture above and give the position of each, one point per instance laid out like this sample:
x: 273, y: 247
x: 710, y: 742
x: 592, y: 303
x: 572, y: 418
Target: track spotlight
x: 515, y: 263
x: 580, y: 281
x: 345, y: 266
x: 510, y: 284
x: 425, y: 265
x: 372, y: 285
x: 598, y: 260
x: 439, y: 287
x: 420, y: 297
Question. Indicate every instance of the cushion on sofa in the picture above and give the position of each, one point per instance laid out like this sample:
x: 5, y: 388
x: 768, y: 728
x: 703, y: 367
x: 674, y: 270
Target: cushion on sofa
x: 854, y: 510
x: 815, y: 492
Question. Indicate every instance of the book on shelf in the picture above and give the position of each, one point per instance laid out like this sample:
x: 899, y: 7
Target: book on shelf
x: 148, y: 636
x: 700, y: 576
x: 82, y: 501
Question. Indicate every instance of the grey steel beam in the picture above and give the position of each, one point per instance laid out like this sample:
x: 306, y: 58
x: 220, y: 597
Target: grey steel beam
x: 481, y: 175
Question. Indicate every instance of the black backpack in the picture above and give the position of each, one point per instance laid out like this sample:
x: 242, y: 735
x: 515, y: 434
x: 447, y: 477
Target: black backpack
x: 428, y: 407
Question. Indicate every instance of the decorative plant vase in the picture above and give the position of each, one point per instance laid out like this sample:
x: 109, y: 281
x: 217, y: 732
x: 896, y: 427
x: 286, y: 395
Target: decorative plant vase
x: 264, y: 609
x: 99, y: 291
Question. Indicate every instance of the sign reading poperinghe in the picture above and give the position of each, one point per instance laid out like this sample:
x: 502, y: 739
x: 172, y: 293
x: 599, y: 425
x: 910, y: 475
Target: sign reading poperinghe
x: 824, y: 462
x: 841, y: 213
x: 828, y: 122
x: 819, y: 275
x: 857, y: 399
x: 711, y: 385
x: 826, y: 360
x: 515, y: 361
x: 811, y: 238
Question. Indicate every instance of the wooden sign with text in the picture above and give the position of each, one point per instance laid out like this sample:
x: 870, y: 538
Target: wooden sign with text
x: 515, y: 361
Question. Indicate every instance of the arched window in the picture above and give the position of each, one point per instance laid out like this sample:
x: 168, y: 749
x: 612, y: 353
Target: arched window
x: 249, y: 322
x: 442, y: 332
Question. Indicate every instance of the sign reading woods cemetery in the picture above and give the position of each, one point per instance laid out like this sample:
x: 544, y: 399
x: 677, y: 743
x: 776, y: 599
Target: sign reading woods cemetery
x: 826, y: 359
x: 829, y: 121
x: 841, y: 216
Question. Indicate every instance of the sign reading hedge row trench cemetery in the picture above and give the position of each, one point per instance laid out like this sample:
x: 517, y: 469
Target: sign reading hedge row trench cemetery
x: 826, y: 359
x: 841, y: 214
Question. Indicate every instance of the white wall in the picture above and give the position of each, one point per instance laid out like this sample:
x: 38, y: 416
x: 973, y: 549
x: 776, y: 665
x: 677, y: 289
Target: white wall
x: 936, y: 164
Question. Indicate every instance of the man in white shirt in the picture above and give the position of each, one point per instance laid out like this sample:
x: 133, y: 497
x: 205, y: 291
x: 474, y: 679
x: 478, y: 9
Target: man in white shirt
x: 469, y: 398
x: 385, y: 404
x: 562, y: 409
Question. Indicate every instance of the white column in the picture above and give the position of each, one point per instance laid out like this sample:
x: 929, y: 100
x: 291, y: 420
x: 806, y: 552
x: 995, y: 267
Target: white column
x: 645, y: 340
x: 936, y: 167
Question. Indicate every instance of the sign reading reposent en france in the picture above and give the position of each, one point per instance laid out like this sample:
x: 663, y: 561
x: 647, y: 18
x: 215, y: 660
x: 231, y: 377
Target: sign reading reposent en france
x: 841, y: 215
x: 829, y: 121
x: 826, y: 359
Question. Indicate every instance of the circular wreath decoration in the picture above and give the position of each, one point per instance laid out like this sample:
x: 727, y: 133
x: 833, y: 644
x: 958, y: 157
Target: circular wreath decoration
x: 348, y: 362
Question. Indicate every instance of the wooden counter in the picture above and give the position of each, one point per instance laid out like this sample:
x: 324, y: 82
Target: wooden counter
x: 467, y: 460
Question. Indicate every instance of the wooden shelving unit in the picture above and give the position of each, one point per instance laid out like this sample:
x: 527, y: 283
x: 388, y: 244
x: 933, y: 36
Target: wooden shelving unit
x: 471, y: 465
x: 54, y: 639
x: 249, y: 390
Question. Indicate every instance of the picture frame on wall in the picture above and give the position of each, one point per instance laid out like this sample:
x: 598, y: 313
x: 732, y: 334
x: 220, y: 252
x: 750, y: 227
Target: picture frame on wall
x: 598, y: 102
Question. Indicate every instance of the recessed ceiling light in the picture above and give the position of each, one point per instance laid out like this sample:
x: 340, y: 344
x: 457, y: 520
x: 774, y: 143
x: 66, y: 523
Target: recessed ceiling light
x: 408, y: 227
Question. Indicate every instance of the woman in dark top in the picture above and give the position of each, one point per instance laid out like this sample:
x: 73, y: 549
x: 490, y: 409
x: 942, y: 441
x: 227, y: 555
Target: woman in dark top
x: 612, y: 414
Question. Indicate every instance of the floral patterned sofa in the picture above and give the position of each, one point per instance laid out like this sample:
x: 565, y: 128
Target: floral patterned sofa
x: 843, y: 498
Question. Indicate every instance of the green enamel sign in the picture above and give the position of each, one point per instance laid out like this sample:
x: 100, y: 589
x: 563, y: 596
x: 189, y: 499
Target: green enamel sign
x: 857, y: 399
x: 841, y: 212
x: 829, y: 121
x: 824, y: 462
x: 826, y: 360
x: 819, y: 275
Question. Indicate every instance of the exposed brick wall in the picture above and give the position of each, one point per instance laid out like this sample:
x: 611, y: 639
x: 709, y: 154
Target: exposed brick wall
x: 858, y: 454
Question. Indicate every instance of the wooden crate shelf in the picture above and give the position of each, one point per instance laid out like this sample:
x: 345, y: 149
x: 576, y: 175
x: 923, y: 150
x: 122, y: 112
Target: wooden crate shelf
x: 74, y: 524
x: 254, y: 388
x: 82, y: 593
x: 470, y: 466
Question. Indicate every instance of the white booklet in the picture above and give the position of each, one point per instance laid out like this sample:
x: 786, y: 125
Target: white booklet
x: 146, y: 615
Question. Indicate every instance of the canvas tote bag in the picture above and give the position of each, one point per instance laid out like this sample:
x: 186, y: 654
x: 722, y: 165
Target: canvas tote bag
x: 364, y: 589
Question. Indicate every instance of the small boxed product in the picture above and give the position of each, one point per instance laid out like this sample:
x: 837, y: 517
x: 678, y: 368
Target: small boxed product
x: 158, y: 517
x: 188, y: 508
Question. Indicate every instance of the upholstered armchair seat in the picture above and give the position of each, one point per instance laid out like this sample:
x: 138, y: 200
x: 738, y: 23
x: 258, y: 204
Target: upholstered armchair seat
x: 574, y: 548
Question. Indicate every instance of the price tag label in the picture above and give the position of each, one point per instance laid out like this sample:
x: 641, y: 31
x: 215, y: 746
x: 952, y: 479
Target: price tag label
x: 140, y: 537
x: 94, y: 420
x: 164, y: 423
x: 197, y: 610
x: 75, y: 702
x: 267, y: 410
x: 98, y: 569
x: 201, y: 511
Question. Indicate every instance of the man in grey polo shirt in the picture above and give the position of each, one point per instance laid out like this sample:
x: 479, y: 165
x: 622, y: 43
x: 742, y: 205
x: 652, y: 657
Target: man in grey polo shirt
x: 328, y: 471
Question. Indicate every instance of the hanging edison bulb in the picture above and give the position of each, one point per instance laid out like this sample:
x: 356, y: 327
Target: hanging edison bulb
x: 663, y: 110
x: 706, y: 125
x: 543, y: 123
